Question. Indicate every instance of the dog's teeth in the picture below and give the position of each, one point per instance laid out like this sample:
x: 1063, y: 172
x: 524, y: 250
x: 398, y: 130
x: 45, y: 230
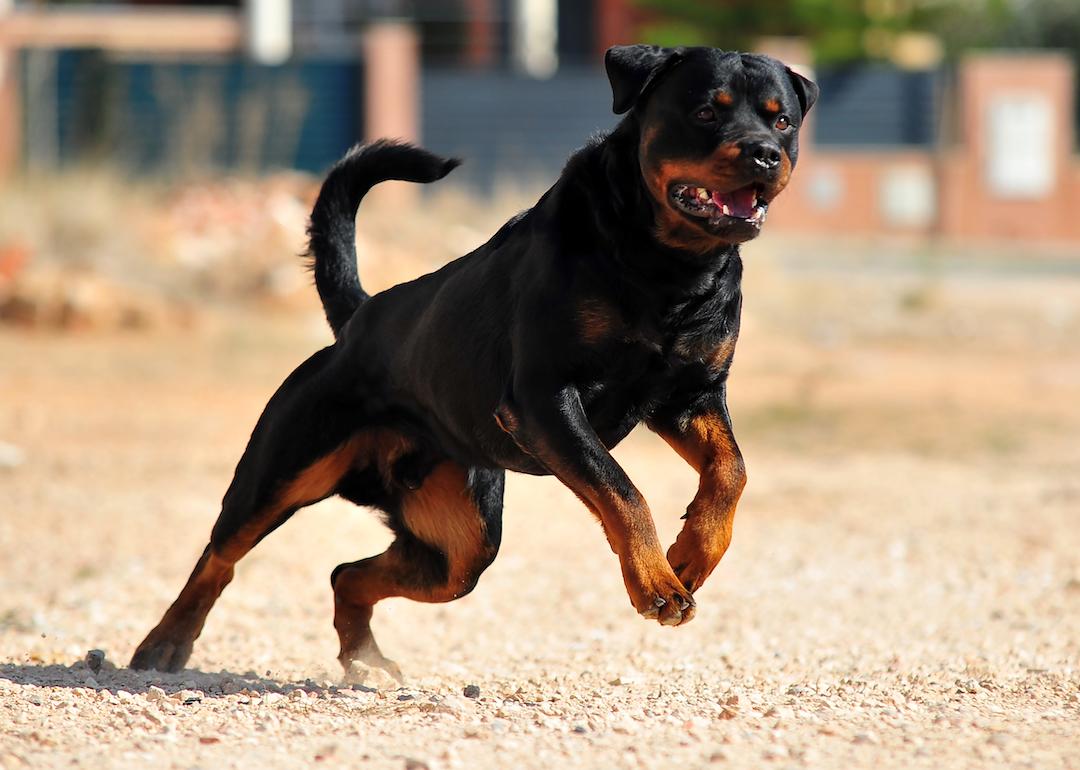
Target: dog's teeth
x: 703, y: 194
x: 726, y: 211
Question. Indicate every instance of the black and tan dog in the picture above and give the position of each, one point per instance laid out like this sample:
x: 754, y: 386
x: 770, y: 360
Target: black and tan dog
x: 614, y: 301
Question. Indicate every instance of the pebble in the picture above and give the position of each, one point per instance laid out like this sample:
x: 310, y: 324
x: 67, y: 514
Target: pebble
x: 471, y: 691
x: 452, y: 704
x: 155, y: 694
x: 94, y: 659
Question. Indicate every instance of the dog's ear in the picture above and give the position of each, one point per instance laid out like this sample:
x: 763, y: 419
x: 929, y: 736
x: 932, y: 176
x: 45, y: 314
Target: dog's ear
x: 805, y: 89
x: 633, y: 69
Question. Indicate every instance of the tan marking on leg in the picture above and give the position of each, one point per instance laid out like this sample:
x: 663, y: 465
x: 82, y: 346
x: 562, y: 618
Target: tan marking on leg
x: 443, y: 514
x: 312, y: 484
x: 631, y: 533
x: 168, y: 646
x: 708, y: 447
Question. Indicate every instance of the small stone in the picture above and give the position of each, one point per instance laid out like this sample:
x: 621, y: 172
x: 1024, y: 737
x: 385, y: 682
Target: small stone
x: 90, y: 682
x: 94, y: 659
x: 471, y: 691
x: 155, y: 694
x: 415, y: 764
x: 150, y: 716
x: 452, y: 704
x: 865, y: 738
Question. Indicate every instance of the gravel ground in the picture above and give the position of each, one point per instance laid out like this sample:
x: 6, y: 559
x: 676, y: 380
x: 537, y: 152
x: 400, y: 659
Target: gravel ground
x: 903, y: 589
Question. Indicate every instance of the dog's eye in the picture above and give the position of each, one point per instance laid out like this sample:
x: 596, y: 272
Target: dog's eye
x: 783, y: 122
x: 706, y: 115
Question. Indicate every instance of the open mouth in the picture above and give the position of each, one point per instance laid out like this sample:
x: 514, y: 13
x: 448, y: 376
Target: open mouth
x: 744, y: 205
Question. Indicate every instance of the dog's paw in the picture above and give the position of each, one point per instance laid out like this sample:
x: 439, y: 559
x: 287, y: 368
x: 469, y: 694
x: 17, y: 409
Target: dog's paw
x: 386, y: 676
x: 366, y: 665
x: 658, y: 595
x: 694, y: 556
x: 161, y: 653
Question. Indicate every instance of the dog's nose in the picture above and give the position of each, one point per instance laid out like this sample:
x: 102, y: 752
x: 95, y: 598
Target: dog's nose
x: 764, y: 153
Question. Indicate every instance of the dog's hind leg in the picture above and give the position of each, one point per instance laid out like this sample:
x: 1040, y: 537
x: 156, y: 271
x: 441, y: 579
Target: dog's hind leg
x: 298, y: 453
x: 447, y: 533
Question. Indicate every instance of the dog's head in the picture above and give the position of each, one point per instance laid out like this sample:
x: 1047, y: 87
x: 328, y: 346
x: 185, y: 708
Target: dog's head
x: 719, y: 137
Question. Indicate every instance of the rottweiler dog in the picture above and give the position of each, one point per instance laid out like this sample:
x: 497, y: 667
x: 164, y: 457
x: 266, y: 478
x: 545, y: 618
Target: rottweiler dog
x: 614, y: 301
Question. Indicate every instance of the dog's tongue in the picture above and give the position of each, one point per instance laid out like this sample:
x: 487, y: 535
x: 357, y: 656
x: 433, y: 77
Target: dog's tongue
x: 739, y: 203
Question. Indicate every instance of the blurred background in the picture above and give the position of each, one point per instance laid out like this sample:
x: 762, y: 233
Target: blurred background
x: 199, y: 125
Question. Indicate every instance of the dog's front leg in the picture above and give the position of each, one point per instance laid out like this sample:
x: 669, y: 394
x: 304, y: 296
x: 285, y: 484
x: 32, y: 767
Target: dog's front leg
x: 702, y: 436
x: 551, y: 426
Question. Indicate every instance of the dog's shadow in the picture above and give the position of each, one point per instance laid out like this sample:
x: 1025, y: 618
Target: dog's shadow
x: 198, y: 684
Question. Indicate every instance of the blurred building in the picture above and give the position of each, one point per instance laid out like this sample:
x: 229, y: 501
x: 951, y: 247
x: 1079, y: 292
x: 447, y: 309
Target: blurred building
x: 512, y: 86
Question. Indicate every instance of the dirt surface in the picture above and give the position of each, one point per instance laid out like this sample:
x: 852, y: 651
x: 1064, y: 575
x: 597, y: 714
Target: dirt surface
x: 903, y: 589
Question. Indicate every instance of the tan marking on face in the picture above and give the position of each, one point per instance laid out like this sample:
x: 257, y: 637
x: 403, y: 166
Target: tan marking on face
x: 771, y: 105
x: 716, y: 172
x: 724, y: 98
x: 771, y: 191
x: 728, y: 152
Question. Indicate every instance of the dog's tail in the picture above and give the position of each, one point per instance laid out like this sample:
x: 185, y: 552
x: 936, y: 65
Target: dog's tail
x: 332, y: 230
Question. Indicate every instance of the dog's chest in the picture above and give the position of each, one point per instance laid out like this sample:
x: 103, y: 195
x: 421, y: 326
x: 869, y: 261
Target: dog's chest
x: 644, y: 367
